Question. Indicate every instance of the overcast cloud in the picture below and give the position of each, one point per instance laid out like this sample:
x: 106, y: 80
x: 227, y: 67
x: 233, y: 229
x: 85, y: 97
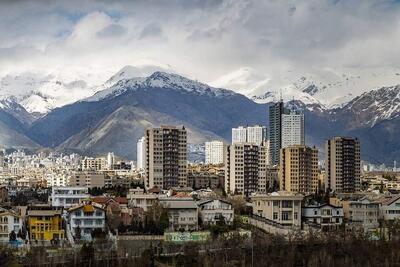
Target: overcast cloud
x: 201, y: 39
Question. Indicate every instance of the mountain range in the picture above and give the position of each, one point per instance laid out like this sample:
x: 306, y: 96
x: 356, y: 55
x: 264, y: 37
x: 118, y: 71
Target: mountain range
x: 112, y: 116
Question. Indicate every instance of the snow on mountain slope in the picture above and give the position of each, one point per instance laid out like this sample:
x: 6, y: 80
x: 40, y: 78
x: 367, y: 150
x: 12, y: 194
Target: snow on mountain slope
x: 41, y: 92
x: 376, y: 105
x: 330, y: 87
x: 159, y: 80
x: 129, y: 72
x: 262, y: 89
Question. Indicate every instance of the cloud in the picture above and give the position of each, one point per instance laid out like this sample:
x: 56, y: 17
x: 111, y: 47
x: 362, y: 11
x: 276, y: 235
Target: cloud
x: 151, y: 30
x: 112, y: 31
x: 201, y: 39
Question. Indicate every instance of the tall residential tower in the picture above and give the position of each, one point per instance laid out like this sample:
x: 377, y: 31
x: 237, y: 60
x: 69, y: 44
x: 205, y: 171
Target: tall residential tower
x: 166, y: 157
x: 342, y: 164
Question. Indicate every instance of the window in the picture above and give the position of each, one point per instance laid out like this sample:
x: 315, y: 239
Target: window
x: 295, y: 215
x: 275, y: 216
x: 286, y: 204
x: 285, y: 216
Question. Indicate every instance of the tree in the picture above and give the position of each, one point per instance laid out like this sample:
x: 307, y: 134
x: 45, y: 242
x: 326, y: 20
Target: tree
x: 21, y: 233
x: 78, y: 234
x: 12, y: 236
x: 157, y: 219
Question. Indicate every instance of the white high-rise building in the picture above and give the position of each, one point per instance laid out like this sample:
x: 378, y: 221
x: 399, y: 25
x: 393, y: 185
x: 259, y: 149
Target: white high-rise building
x: 256, y: 134
x: 214, y: 152
x: 141, y: 153
x: 239, y: 135
x: 292, y: 129
x: 110, y: 160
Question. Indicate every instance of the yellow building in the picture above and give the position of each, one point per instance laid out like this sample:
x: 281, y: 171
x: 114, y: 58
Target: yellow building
x: 45, y: 224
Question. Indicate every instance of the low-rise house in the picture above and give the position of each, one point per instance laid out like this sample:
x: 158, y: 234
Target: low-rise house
x: 10, y: 220
x: 85, y: 218
x: 182, y: 213
x: 283, y: 208
x: 68, y: 196
x: 390, y: 208
x: 137, y: 198
x: 45, y: 223
x: 363, y: 213
x: 322, y: 216
x: 215, y: 211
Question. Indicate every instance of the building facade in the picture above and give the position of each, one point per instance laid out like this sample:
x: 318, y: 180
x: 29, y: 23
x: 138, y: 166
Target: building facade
x: 246, y: 169
x: 292, y: 129
x: 298, y: 170
x: 275, y: 131
x: 324, y: 216
x: 85, y: 218
x: 214, y: 151
x: 88, y: 179
x: 141, y: 153
x: 94, y: 164
x: 239, y: 135
x: 68, y: 196
x: 216, y: 211
x: 256, y: 134
x: 45, y: 224
x: 342, y: 164
x: 283, y: 208
x: 166, y: 157
x: 182, y: 213
x: 10, y: 220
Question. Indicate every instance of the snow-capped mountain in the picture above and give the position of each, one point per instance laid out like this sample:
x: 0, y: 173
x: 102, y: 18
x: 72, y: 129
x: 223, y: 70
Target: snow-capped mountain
x: 329, y: 87
x: 130, y: 72
x: 159, y: 80
x: 41, y: 92
x: 374, y: 106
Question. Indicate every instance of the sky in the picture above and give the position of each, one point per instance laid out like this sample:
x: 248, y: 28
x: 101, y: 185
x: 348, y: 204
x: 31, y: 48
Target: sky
x: 202, y: 39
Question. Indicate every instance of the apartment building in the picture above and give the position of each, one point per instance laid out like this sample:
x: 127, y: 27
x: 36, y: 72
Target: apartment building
x: 182, y: 213
x: 239, y: 135
x: 323, y: 216
x: 293, y: 129
x: 45, y: 223
x: 342, y: 164
x: 256, y: 134
x: 68, y: 196
x: 298, y: 170
x: 245, y: 169
x: 363, y: 212
x: 85, y: 218
x: 141, y: 153
x: 214, y: 151
x: 10, y: 220
x: 88, y: 179
x: 390, y: 208
x: 137, y: 198
x: 94, y: 164
x: 275, y: 131
x: 166, y: 157
x: 215, y: 211
x: 281, y: 207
